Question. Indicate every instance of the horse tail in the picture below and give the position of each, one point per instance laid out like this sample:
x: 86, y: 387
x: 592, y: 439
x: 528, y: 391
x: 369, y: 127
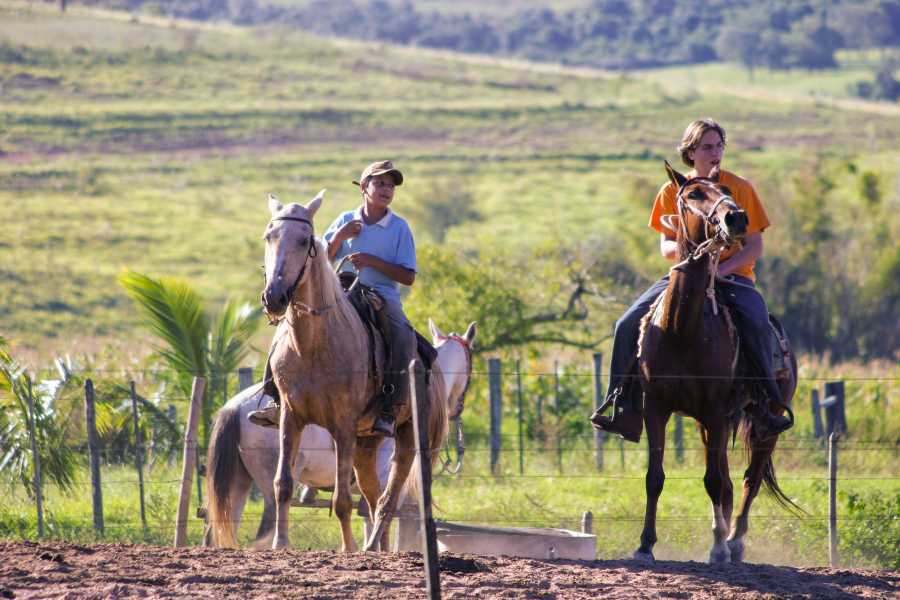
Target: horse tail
x: 770, y: 484
x: 224, y: 464
x: 438, y: 422
x: 769, y: 481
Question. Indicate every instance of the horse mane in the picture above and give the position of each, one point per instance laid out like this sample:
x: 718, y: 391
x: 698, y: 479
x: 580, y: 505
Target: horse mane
x: 342, y: 313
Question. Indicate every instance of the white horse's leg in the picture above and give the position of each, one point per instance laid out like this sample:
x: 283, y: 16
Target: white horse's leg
x: 284, y: 480
x: 345, y: 448
x: 404, y: 455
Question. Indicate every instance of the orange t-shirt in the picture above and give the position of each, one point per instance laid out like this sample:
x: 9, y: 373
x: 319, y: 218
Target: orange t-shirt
x: 741, y: 192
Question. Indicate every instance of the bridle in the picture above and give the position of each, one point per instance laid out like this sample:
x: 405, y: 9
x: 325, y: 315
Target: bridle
x: 712, y: 245
x: 312, y: 252
x: 462, y: 397
x: 460, y: 441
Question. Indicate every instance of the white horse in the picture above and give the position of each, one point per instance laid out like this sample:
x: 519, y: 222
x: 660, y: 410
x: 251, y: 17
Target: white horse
x: 241, y: 453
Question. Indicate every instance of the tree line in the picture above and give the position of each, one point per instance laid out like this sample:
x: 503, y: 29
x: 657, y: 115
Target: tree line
x: 777, y: 34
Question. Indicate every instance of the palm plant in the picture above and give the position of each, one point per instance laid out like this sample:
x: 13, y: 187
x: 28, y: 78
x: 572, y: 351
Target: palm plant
x: 56, y: 430
x: 193, y: 343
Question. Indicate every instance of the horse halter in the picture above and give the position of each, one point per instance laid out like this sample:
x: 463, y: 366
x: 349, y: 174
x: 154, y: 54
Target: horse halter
x: 462, y: 397
x: 312, y: 252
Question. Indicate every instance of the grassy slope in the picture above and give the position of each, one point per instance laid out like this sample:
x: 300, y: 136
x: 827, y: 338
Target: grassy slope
x: 149, y: 147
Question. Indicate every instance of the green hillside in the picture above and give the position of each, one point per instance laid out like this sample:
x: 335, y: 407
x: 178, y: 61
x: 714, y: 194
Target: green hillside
x: 133, y: 143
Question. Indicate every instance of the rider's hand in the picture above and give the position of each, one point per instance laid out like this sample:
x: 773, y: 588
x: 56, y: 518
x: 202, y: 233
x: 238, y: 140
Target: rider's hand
x: 349, y: 230
x: 361, y: 260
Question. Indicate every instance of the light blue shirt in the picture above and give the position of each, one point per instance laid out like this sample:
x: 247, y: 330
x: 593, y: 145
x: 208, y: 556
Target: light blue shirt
x: 389, y: 239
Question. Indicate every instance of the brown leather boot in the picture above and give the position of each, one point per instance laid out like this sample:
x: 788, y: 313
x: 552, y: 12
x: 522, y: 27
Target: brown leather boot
x: 268, y: 416
x: 767, y: 425
x: 628, y: 425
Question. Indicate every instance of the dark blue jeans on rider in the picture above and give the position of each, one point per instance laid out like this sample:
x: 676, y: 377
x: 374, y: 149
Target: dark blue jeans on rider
x: 748, y: 309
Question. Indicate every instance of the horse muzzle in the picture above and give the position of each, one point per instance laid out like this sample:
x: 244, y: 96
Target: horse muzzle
x: 275, y: 304
x: 734, y: 226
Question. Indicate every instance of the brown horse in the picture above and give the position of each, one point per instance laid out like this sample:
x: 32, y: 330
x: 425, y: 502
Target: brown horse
x: 686, y: 367
x: 321, y: 365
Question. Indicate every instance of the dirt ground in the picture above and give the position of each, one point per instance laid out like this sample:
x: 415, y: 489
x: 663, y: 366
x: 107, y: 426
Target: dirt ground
x: 106, y: 571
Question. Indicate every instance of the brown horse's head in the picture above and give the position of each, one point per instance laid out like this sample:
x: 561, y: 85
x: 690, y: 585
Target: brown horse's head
x: 290, y: 251
x: 707, y: 209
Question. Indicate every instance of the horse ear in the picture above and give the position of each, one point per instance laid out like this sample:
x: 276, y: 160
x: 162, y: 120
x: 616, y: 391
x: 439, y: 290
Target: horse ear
x: 315, y: 203
x: 714, y: 174
x: 274, y: 205
x: 674, y: 176
x: 470, y: 333
x: 436, y: 333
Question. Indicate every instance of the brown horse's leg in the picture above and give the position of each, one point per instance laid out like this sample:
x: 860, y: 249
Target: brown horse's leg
x: 760, y: 452
x: 284, y: 479
x: 342, y: 502
x: 366, y: 465
x: 656, y: 477
x: 728, y: 491
x: 404, y: 455
x: 715, y: 445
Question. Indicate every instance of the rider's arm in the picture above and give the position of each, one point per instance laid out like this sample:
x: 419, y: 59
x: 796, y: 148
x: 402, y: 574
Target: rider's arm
x: 398, y: 273
x: 668, y: 246
x: 753, y: 247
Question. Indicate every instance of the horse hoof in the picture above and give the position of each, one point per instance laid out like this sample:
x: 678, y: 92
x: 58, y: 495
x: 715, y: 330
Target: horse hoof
x: 720, y: 557
x: 737, y: 552
x: 643, y: 557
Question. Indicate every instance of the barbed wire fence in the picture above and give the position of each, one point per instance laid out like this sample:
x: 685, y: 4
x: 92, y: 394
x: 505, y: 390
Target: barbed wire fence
x: 539, y: 434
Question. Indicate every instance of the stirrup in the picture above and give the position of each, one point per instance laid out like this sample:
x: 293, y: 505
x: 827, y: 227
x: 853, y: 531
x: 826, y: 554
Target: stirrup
x: 385, y: 425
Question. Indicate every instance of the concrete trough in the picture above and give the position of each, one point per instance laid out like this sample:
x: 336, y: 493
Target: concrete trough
x: 523, y: 542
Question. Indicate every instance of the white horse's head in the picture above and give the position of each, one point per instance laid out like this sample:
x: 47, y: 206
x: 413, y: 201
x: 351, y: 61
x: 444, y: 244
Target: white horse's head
x: 455, y: 358
x: 290, y: 250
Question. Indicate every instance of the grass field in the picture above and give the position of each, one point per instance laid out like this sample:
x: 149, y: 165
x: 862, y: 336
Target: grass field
x: 138, y: 145
x: 148, y: 147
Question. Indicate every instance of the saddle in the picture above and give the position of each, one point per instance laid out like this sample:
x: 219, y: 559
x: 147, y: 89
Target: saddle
x: 371, y: 307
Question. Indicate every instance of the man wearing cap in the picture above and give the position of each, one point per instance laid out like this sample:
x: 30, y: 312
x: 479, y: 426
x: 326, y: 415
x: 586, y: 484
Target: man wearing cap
x: 379, y: 245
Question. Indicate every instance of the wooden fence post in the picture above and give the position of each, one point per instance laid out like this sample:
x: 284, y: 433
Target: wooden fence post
x: 587, y: 522
x: 835, y: 417
x: 173, y: 416
x: 599, y: 437
x: 817, y: 415
x: 139, y: 455
x: 833, y: 558
x: 496, y: 411
x: 679, y: 438
x: 94, y: 448
x: 245, y: 377
x: 36, y: 460
x: 423, y: 450
x: 190, y: 455
x: 521, y: 417
x: 558, y: 410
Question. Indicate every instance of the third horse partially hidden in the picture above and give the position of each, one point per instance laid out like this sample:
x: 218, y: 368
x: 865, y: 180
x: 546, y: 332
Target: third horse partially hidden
x: 686, y: 367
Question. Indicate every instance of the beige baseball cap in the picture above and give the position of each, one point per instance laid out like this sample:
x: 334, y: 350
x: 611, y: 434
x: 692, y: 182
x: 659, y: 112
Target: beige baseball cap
x: 380, y: 168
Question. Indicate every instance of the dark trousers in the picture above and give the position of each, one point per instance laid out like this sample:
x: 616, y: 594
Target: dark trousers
x: 748, y: 309
x: 403, y: 349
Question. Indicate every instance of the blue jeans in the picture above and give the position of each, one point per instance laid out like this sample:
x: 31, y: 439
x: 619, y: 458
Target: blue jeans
x: 748, y: 309
x: 403, y: 350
